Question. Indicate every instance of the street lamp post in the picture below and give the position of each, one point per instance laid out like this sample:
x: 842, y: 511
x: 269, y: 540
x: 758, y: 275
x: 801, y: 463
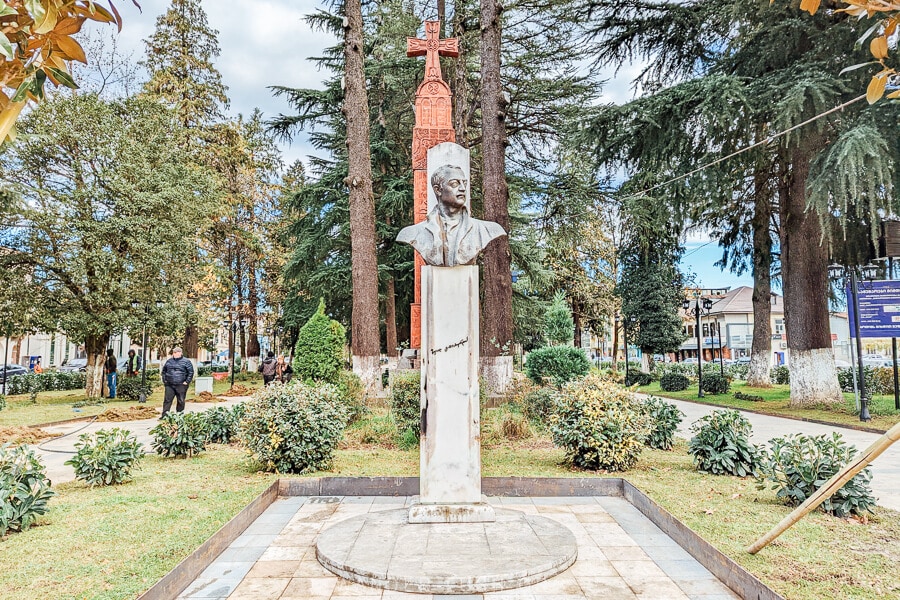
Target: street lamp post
x: 232, y: 326
x: 868, y: 272
x: 135, y: 304
x: 721, y: 352
x: 697, y: 311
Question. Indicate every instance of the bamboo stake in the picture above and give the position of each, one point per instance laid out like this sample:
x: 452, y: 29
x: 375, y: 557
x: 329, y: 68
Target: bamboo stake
x: 831, y: 486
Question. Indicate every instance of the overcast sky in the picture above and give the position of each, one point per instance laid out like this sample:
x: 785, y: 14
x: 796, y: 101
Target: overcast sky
x: 267, y: 42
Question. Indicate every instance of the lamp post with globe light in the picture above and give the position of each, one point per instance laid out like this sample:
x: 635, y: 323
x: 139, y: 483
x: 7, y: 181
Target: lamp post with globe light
x: 700, y: 306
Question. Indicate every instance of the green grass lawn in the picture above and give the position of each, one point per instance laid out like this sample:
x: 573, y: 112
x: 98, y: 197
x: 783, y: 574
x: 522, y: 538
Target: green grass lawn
x: 113, y: 543
x: 56, y: 406
x: 776, y: 401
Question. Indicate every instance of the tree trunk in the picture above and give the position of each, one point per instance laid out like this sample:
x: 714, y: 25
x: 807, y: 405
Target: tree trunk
x: 190, y: 345
x: 253, y: 352
x: 496, y: 322
x: 390, y: 317
x: 761, y: 351
x: 576, y: 320
x: 95, y: 348
x: 460, y: 76
x: 614, y: 351
x: 804, y: 265
x: 364, y: 270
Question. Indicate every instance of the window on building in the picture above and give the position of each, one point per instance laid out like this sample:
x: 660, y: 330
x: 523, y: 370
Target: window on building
x: 779, y: 326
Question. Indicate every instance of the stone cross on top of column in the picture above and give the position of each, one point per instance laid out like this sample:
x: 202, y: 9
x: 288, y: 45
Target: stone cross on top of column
x: 431, y: 48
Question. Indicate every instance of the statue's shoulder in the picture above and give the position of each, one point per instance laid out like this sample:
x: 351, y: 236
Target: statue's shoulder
x: 490, y: 228
x: 409, y: 233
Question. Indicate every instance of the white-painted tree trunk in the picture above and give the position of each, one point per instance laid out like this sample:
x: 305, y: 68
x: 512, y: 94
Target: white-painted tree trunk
x: 94, y: 376
x: 814, y: 378
x: 496, y: 373
x: 758, y: 371
x: 368, y: 369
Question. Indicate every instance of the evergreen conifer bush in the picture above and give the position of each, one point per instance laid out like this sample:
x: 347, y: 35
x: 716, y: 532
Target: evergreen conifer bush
x: 721, y: 444
x: 716, y: 384
x: 24, y: 488
x: 599, y: 424
x: 221, y: 424
x: 106, y: 457
x: 318, y: 353
x: 664, y: 420
x: 294, y: 427
x: 560, y: 363
x: 673, y: 382
x: 180, y: 435
x: 797, y: 465
x: 405, y: 402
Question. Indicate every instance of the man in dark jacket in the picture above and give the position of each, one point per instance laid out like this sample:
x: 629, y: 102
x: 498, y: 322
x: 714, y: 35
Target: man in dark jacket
x: 110, y: 366
x: 177, y: 373
x: 268, y: 368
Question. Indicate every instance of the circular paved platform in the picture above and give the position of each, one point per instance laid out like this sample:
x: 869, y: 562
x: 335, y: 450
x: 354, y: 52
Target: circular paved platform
x: 384, y: 550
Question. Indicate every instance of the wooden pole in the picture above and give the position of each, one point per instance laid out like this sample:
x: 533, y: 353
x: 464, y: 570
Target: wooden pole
x: 831, y: 486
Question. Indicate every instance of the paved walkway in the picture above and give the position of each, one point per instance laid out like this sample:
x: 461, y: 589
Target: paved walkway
x: 885, y: 469
x: 621, y: 556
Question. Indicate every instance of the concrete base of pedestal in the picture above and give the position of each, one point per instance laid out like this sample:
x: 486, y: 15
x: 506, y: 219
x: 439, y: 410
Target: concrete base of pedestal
x: 385, y: 550
x: 478, y: 512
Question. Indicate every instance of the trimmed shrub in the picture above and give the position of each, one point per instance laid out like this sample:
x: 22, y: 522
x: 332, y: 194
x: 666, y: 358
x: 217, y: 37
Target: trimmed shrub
x: 716, y: 384
x: 638, y: 378
x: 318, y: 354
x: 780, y: 375
x: 737, y: 371
x: 673, y: 382
x: 678, y: 368
x: 353, y: 394
x: 221, y: 424
x: 722, y: 445
x: 106, y: 457
x: 294, y: 427
x: 405, y: 403
x: 538, y: 404
x: 599, y: 424
x: 748, y: 397
x: 180, y: 435
x: 129, y: 388
x: 560, y: 363
x: 797, y: 465
x: 40, y: 382
x: 664, y: 420
x: 24, y: 488
x: 879, y: 380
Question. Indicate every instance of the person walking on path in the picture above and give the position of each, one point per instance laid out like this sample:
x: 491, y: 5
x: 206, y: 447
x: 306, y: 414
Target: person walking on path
x: 177, y: 374
x: 269, y: 368
x: 283, y: 370
x: 134, y: 364
x: 111, y: 367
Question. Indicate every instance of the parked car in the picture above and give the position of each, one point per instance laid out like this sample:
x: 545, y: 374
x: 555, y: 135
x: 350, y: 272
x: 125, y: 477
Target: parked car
x: 877, y: 361
x: 11, y: 371
x: 75, y: 364
x: 742, y: 360
x: 690, y: 361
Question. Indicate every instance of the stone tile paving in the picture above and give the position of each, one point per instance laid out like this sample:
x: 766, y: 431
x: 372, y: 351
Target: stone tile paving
x: 621, y: 555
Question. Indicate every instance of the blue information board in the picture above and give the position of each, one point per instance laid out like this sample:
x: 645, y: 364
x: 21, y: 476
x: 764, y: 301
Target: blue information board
x: 879, y: 309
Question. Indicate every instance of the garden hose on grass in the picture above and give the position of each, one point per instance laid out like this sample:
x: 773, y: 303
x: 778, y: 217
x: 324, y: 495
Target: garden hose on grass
x: 85, y: 426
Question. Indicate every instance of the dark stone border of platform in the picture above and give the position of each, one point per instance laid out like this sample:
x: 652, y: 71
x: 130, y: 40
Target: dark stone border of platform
x: 741, y: 582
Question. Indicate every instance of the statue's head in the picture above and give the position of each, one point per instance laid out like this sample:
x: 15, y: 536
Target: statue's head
x: 450, y: 186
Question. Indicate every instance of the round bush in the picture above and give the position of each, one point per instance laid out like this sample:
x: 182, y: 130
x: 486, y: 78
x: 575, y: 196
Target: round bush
x: 180, y: 435
x: 599, y: 424
x: 638, y: 378
x: 538, y: 404
x: 24, y: 488
x: 673, y: 382
x: 664, y: 420
x: 561, y: 363
x: 294, y: 427
x: 129, y: 388
x: 106, y: 457
x: 221, y: 424
x: 716, y: 384
x: 405, y: 403
x: 797, y: 465
x: 721, y: 444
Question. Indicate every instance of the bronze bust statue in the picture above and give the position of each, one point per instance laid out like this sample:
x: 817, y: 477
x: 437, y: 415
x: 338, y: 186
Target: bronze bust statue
x: 449, y: 236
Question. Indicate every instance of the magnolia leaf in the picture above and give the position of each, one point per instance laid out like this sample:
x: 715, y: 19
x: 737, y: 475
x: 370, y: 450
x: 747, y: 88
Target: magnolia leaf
x: 6, y: 10
x: 876, y: 88
x: 70, y: 48
x: 855, y: 67
x: 6, y: 48
x: 36, y: 9
x: 61, y: 77
x: 810, y: 6
x: 68, y: 26
x: 22, y: 90
x: 866, y: 35
x: 879, y: 47
x: 117, y: 16
x: 8, y: 118
x: 47, y: 24
x: 894, y: 94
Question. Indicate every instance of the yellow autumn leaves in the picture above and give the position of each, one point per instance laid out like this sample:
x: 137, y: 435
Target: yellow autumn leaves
x: 878, y: 47
x: 36, y: 45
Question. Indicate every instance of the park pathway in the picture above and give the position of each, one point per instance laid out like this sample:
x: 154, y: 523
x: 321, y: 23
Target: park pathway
x: 885, y: 469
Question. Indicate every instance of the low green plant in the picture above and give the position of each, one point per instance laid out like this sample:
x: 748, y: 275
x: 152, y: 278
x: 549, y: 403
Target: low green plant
x: 513, y: 424
x: 294, y: 427
x: 130, y: 388
x: 664, y: 420
x: 42, y: 382
x: 738, y: 371
x: 797, y: 465
x: 673, y: 382
x: 180, y: 435
x: 638, y: 378
x: 716, y: 384
x: 678, y: 368
x: 405, y: 402
x: 221, y: 424
x: 409, y: 439
x: 561, y: 364
x: 24, y: 488
x: 599, y: 424
x: 538, y: 405
x: 721, y: 444
x: 106, y: 457
x: 2, y: 401
x: 780, y: 375
x: 748, y: 397
x: 353, y: 394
